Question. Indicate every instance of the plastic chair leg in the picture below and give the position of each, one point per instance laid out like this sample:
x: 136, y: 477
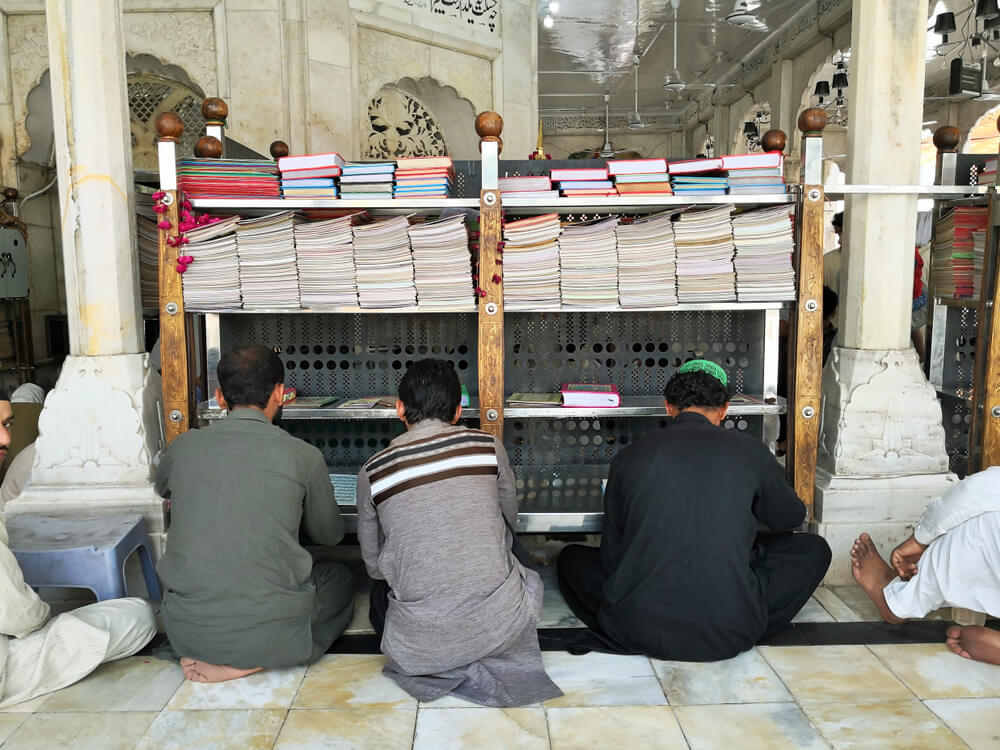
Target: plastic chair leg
x: 149, y: 573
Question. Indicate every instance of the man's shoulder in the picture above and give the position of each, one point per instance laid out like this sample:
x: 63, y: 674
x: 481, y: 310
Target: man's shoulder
x: 443, y: 438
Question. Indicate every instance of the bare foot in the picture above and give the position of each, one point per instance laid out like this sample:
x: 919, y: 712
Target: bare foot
x: 202, y: 671
x: 873, y: 574
x: 975, y: 642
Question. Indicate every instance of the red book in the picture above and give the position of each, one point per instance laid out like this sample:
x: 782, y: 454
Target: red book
x: 637, y: 166
x: 693, y: 166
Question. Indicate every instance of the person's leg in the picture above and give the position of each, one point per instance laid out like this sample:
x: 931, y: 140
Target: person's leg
x: 580, y: 576
x: 334, y: 606
x: 790, y: 566
x: 378, y: 607
x: 975, y: 642
x: 874, y: 575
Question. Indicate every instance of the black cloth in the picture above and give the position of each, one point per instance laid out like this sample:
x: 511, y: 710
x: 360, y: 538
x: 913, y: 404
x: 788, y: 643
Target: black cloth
x: 683, y: 574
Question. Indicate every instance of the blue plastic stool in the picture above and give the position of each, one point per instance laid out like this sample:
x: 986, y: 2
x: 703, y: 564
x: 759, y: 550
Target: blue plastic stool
x: 81, y: 552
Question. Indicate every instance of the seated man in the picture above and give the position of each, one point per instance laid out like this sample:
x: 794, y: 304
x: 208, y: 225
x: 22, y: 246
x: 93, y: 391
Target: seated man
x: 453, y: 608
x: 682, y: 572
x: 951, y: 559
x: 242, y: 594
x: 39, y: 655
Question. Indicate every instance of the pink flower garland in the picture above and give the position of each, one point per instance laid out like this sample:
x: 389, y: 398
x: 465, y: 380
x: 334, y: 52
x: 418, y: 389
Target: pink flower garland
x: 189, y: 220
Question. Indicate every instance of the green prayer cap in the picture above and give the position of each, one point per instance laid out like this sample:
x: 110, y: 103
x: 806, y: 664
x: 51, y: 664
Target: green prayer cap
x: 703, y: 365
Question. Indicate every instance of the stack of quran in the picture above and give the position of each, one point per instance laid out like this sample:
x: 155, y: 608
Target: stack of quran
x: 269, y: 277
x: 755, y: 174
x: 698, y: 177
x: 442, y: 269
x: 588, y: 264
x: 310, y: 175
x: 325, y: 255
x: 642, y: 283
x: 704, y: 242
x: 763, y: 262
x: 384, y: 264
x: 586, y: 182
x: 424, y: 177
x: 228, y: 178
x: 367, y: 180
x: 531, y: 263
x: 532, y: 186
x: 212, y: 281
x: 957, y: 253
x: 640, y: 176
x: 148, y: 242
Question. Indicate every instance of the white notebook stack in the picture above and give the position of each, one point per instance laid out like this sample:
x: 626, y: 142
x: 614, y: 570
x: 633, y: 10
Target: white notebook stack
x: 531, y: 263
x: 384, y: 265
x: 588, y: 264
x: 269, y: 276
x: 212, y: 280
x: 705, y: 249
x: 442, y: 266
x: 763, y: 262
x: 325, y: 253
x: 647, y: 262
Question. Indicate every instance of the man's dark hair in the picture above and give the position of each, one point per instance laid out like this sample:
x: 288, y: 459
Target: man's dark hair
x: 430, y: 390
x: 830, y: 301
x: 685, y: 389
x: 838, y: 221
x: 248, y: 374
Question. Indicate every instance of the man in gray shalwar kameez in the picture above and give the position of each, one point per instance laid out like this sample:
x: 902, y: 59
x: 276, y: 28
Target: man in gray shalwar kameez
x: 454, y: 609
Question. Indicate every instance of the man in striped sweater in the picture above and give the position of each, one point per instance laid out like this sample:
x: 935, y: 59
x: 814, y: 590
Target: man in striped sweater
x: 455, y: 611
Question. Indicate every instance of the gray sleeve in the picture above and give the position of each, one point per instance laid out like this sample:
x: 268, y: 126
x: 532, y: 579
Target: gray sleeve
x: 322, y: 520
x: 162, y: 481
x: 369, y: 534
x: 505, y: 485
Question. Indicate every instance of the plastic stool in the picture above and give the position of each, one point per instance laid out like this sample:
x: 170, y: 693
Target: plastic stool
x: 81, y: 552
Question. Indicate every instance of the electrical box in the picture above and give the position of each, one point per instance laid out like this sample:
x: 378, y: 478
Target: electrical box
x: 13, y: 264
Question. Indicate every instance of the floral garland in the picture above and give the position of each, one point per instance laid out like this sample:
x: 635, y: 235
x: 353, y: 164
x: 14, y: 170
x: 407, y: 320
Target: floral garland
x: 189, y: 220
x: 496, y: 278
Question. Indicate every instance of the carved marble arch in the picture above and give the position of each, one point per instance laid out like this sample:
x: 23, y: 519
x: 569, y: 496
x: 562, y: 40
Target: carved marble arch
x: 149, y: 94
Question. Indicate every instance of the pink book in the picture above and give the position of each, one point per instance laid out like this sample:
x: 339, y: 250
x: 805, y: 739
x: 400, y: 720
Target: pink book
x: 637, y: 166
x: 559, y: 175
x: 693, y: 166
x: 599, y: 395
x: 752, y: 161
x: 310, y: 161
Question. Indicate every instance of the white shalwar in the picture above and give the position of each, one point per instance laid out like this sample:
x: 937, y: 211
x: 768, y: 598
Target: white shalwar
x: 961, y: 565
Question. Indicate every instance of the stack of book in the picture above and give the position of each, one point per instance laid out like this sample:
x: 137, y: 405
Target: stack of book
x: 763, y: 262
x: 640, y: 282
x: 383, y: 264
x: 698, y: 177
x: 705, y: 256
x: 212, y: 281
x: 442, y: 271
x: 424, y: 177
x: 534, y: 186
x: 325, y: 255
x: 583, y: 183
x: 269, y: 277
x: 310, y: 175
x: 640, y: 176
x: 228, y: 178
x: 531, y: 263
x: 588, y: 264
x: 371, y: 180
x: 148, y: 242
x: 957, y: 257
x: 755, y: 174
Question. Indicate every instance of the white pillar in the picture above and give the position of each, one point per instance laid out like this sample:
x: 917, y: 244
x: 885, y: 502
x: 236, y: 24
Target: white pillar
x: 881, y: 453
x: 99, y: 430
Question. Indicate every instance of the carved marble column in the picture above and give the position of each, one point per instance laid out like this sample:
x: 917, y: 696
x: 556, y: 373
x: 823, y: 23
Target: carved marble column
x: 99, y: 430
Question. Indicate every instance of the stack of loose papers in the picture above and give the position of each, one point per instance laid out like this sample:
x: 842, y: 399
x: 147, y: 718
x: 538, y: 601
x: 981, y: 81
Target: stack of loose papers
x: 531, y: 263
x: 588, y: 264
x: 212, y: 281
x: 957, y: 252
x: 763, y: 262
x: 228, y: 178
x: 442, y: 267
x: 704, y: 242
x: 325, y: 253
x: 148, y: 236
x: 647, y: 262
x: 384, y: 264
x: 269, y: 276
x: 371, y: 180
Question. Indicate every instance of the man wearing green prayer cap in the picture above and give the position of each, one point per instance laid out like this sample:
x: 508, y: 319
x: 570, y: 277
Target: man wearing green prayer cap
x: 699, y: 557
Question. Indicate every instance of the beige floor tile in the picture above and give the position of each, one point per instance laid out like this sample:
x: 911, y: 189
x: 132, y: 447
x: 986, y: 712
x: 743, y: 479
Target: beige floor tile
x: 834, y: 673
x: 615, y: 728
x: 349, y: 729
x: 932, y: 671
x: 360, y: 624
x: 813, y: 611
x: 351, y: 681
x: 760, y: 726
x: 8, y: 723
x: 481, y: 728
x: 137, y: 684
x: 975, y: 720
x: 835, y: 605
x: 83, y: 731
x: 272, y: 688
x: 746, y: 678
x: 27, y: 707
x: 213, y: 730
x: 603, y: 680
x: 453, y: 701
x: 907, y: 725
x: 854, y: 597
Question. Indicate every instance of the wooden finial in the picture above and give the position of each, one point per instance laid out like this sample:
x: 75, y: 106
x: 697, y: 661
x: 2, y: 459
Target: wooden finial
x: 812, y: 121
x: 169, y: 126
x: 10, y: 194
x: 946, y: 139
x: 774, y: 140
x: 278, y: 149
x: 489, y: 126
x: 208, y: 147
x: 214, y: 110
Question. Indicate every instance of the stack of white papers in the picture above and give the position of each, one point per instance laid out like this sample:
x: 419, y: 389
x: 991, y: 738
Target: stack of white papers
x: 647, y: 262
x: 148, y: 236
x: 442, y: 266
x: 588, y: 264
x: 269, y: 277
x: 212, y: 281
x: 325, y: 254
x: 384, y: 264
x: 763, y: 262
x: 531, y: 263
x: 705, y: 249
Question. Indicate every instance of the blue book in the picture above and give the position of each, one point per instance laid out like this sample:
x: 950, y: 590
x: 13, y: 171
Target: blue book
x: 312, y: 182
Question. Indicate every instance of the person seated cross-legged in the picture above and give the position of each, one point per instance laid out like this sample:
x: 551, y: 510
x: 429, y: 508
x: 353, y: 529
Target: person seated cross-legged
x: 453, y: 608
x: 242, y: 593
x: 951, y: 559
x: 683, y: 571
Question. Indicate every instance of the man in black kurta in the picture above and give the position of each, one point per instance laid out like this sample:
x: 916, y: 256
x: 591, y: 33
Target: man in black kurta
x: 698, y: 561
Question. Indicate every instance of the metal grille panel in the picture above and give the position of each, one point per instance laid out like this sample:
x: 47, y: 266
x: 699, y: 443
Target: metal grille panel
x: 960, y: 350
x: 956, y: 416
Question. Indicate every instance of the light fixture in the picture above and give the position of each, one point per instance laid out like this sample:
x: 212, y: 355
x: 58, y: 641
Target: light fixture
x: 553, y: 7
x: 840, y: 80
x: 822, y: 90
x: 547, y: 22
x: 750, y: 128
x: 987, y: 9
x: 944, y: 24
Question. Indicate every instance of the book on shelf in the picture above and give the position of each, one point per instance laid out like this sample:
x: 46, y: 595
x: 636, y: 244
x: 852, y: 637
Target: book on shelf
x: 586, y: 173
x: 694, y: 166
x: 742, y: 399
x: 585, y: 184
x: 366, y: 179
x: 423, y: 162
x: 309, y: 182
x: 368, y: 167
x: 522, y: 400
x: 622, y: 179
x: 314, y: 402
x: 465, y: 396
x: 602, y: 395
x: 644, y: 188
x: 637, y: 166
x: 531, y: 183
x: 368, y: 402
x: 345, y: 488
x: 288, y: 394
x: 753, y: 161
x: 309, y: 192
x: 532, y: 194
x: 315, y: 172
x: 589, y: 192
x: 310, y: 161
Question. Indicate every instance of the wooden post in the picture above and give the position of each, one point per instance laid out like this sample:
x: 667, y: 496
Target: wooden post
x: 278, y: 149
x: 215, y: 111
x: 805, y: 347
x: 489, y: 125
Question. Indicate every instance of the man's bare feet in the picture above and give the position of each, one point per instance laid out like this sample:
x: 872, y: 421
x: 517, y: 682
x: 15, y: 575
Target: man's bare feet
x: 873, y: 574
x: 975, y: 642
x: 202, y: 671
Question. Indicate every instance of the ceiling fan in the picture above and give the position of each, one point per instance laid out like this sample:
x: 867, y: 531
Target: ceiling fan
x: 635, y: 119
x: 744, y: 16
x: 608, y: 150
x: 675, y: 82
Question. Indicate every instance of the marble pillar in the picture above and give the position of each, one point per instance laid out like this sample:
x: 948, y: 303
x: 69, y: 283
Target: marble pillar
x: 882, y: 453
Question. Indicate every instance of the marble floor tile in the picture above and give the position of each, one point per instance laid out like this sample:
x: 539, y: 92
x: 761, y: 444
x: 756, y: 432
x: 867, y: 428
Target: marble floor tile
x: 80, y: 731
x: 272, y: 688
x: 932, y: 671
x: 360, y: 624
x: 481, y: 728
x: 813, y: 611
x: 836, y: 606
x: 350, y: 729
x: 140, y: 683
x: 350, y: 681
x: 760, y: 726
x: 26, y: 707
x: 854, y: 597
x: 746, y: 678
x: 975, y: 720
x: 213, y: 730
x: 906, y: 725
x: 8, y: 723
x: 603, y: 680
x: 834, y: 673
x: 615, y: 728
x: 555, y: 612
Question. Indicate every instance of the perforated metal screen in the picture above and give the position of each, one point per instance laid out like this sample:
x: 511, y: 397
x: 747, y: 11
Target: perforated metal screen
x: 958, y: 376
